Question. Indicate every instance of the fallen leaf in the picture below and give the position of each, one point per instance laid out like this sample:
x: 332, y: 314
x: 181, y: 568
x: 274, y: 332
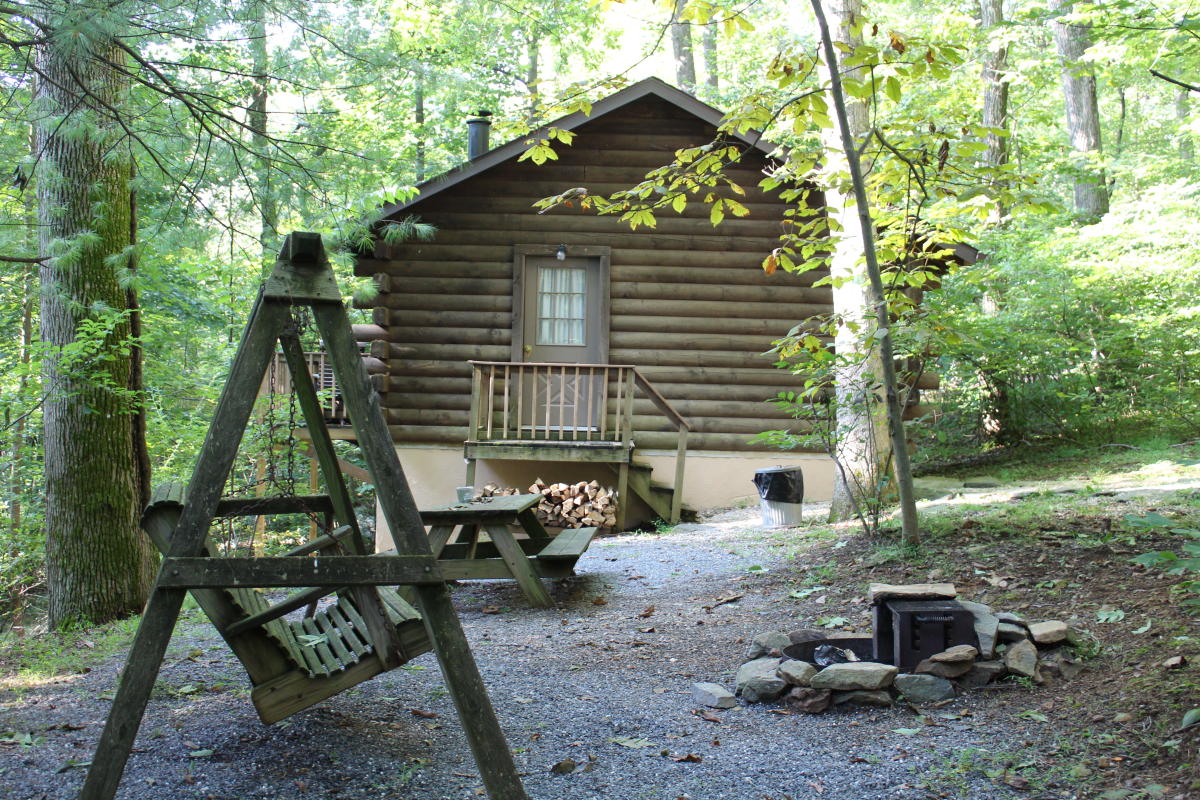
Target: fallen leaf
x: 647, y: 630
x: 200, y: 753
x: 631, y: 742
x: 71, y: 765
x: 599, y: 601
x: 491, y: 609
x: 906, y: 731
x: 706, y: 715
x: 1174, y: 662
x: 690, y: 758
x: 417, y: 712
x: 647, y: 612
x: 564, y: 767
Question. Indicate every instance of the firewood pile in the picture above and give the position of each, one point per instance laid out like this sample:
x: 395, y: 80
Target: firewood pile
x: 568, y: 505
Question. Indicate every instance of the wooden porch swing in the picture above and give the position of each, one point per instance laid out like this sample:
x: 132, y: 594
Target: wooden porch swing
x: 369, y: 628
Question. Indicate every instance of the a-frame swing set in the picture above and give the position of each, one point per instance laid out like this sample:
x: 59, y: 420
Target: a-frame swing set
x: 370, y: 628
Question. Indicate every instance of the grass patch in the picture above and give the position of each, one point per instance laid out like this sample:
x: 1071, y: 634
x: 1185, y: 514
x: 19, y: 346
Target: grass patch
x: 29, y: 660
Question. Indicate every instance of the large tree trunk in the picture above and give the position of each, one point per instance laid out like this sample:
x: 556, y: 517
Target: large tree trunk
x: 99, y: 564
x: 1083, y: 115
x: 995, y: 83
x: 862, y: 448
x: 256, y: 120
x: 681, y: 48
x: 711, y: 65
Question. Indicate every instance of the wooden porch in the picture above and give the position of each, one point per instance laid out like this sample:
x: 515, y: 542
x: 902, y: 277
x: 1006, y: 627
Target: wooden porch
x: 572, y: 412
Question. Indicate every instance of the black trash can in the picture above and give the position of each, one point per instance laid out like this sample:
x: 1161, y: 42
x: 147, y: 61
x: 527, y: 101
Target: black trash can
x: 781, y: 495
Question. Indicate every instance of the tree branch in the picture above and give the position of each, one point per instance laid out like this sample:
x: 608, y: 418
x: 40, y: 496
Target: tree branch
x: 1189, y: 86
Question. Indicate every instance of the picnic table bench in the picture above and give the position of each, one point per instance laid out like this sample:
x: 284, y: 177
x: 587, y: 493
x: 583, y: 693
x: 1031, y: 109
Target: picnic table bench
x: 526, y: 560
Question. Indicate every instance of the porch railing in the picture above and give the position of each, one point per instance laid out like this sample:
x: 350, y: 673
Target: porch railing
x: 567, y: 403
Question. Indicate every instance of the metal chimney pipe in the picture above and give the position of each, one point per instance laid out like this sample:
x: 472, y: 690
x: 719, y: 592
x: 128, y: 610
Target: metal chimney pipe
x: 478, y: 128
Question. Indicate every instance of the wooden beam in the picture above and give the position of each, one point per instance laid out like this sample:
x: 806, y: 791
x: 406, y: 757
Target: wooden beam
x: 190, y: 572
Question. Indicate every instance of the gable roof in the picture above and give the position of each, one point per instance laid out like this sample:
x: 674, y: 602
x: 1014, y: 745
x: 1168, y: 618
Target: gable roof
x: 643, y: 88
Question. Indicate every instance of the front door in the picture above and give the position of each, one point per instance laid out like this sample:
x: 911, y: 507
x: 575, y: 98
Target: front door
x: 563, y: 321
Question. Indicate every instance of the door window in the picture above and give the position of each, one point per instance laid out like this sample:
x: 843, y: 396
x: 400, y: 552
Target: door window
x: 561, y: 304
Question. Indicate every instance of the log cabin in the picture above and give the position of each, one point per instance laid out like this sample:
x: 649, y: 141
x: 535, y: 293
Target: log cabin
x: 566, y: 346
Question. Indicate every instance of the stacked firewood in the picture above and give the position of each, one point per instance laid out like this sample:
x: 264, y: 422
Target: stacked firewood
x: 568, y: 505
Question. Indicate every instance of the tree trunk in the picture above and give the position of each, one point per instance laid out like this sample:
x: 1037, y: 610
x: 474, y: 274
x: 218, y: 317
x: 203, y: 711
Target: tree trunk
x: 256, y: 120
x: 875, y: 340
x: 1187, y: 150
x: 419, y: 120
x: 681, y: 47
x: 16, y: 482
x: 99, y: 564
x: 1083, y: 115
x: 995, y: 84
x: 711, y: 65
x: 532, y: 71
x: 862, y: 448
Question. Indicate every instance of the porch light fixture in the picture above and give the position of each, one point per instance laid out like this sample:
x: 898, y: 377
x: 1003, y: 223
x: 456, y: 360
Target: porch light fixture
x: 561, y: 252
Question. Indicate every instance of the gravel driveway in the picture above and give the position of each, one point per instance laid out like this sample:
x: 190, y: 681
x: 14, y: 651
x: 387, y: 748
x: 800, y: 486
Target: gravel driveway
x: 611, y: 667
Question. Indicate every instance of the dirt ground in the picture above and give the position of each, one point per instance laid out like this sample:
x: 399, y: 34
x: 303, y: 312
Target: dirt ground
x: 604, y: 679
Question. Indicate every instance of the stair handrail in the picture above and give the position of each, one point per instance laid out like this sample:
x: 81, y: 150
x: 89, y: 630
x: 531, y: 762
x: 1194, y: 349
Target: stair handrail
x: 681, y: 426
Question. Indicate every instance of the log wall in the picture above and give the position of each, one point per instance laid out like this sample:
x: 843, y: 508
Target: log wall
x: 690, y: 303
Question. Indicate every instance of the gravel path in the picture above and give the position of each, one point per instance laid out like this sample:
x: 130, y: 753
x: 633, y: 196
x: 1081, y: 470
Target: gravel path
x: 615, y: 660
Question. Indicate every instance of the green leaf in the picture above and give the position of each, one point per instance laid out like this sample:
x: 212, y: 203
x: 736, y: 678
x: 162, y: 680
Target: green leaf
x: 1145, y: 627
x: 891, y: 87
x: 906, y: 731
x: 1110, y: 615
x: 200, y: 754
x: 631, y: 742
x: 1192, y: 717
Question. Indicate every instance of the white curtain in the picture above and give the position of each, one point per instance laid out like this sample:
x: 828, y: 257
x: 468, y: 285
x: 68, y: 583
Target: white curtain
x: 561, y: 302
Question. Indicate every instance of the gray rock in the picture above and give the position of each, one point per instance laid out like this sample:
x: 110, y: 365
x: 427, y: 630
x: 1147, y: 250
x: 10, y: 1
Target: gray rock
x: 1011, y: 632
x: 986, y: 626
x: 924, y: 688
x: 757, y: 682
x: 1022, y: 659
x: 808, y: 700
x: 982, y: 673
x: 942, y: 669
x: 767, y: 644
x: 797, y: 673
x: 807, y: 635
x: 713, y: 695
x: 878, y: 592
x: 855, y: 675
x: 955, y: 655
x: 1059, y: 664
x: 862, y: 697
x: 1050, y: 632
x: 1008, y: 616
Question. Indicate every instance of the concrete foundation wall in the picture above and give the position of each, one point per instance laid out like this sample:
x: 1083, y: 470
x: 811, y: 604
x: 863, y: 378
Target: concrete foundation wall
x: 712, y: 479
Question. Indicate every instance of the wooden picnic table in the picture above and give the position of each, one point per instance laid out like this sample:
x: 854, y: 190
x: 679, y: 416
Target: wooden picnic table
x: 526, y: 560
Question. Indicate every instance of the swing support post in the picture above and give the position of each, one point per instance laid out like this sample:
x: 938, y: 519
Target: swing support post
x: 303, y: 277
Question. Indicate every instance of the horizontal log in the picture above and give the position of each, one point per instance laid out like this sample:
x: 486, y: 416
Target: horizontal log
x: 429, y: 434
x: 740, y: 425
x: 427, y: 416
x: 687, y: 358
x: 408, y: 334
x: 423, y: 351
x: 781, y: 293
x: 523, y: 202
x: 712, y: 239
x: 451, y: 285
x: 388, y: 270
x: 369, y: 333
x: 334, y: 571
x: 383, y: 351
x: 459, y: 401
x: 487, y: 184
x: 375, y: 365
x: 403, y: 369
x: 445, y: 319
x: 427, y: 251
x: 405, y: 301
x: 768, y: 329
x: 716, y: 308
x: 748, y: 276
x: 417, y: 385
x: 588, y: 222
x: 695, y: 341
x: 592, y: 175
x: 766, y: 376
